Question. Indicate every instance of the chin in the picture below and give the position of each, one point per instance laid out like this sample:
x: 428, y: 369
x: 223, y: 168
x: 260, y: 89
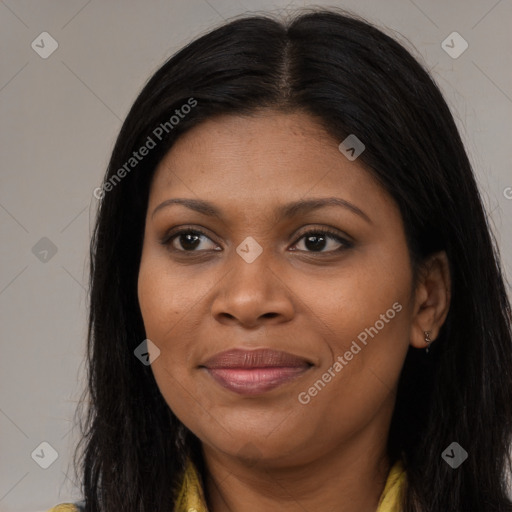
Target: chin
x: 278, y: 449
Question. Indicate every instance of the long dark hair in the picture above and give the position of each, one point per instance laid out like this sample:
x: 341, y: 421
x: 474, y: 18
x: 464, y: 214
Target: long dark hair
x: 353, y: 79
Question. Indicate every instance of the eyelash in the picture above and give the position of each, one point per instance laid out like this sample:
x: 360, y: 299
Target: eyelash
x: 345, y: 244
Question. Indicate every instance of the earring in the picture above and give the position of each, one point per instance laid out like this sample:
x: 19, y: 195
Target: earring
x: 427, y: 340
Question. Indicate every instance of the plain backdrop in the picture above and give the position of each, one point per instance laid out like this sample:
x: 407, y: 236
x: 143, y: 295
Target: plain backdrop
x: 60, y: 114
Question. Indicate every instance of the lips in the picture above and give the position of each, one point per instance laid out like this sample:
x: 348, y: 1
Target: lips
x: 252, y: 372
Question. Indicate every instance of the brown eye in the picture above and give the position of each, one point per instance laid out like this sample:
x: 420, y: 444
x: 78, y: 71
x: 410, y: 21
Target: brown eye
x: 186, y: 240
x: 318, y: 240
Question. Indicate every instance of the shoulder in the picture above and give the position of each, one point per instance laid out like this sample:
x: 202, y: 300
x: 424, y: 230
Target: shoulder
x: 64, y: 507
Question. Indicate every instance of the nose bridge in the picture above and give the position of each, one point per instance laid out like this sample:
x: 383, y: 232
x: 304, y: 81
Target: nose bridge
x: 251, y: 265
x: 252, y: 289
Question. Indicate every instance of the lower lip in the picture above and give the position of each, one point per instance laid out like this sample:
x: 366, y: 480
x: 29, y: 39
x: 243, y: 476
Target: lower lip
x: 254, y: 381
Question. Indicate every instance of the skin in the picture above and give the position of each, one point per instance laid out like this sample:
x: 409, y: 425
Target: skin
x: 271, y: 452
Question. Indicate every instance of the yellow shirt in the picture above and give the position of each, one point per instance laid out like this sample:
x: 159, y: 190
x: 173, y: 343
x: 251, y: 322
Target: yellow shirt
x: 191, y: 497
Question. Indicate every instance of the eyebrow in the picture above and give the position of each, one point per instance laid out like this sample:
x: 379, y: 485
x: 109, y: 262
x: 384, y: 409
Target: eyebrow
x: 286, y: 211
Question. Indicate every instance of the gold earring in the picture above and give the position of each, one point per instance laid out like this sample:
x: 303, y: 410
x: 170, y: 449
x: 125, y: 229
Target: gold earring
x: 427, y: 339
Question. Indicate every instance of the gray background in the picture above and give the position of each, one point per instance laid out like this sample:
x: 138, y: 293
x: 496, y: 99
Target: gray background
x: 59, y: 119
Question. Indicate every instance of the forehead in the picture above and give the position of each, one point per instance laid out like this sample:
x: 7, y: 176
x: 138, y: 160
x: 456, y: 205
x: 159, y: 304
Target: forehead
x: 223, y: 140
x: 254, y: 160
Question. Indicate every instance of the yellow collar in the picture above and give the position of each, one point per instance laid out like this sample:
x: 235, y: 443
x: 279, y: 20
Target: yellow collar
x: 191, y: 497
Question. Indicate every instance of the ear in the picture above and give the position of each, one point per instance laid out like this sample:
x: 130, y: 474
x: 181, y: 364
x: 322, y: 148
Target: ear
x: 432, y: 299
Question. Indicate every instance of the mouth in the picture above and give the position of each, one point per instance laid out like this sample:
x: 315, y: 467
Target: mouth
x: 253, y: 372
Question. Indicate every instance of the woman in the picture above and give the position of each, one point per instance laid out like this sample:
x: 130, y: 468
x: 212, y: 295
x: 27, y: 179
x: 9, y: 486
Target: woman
x: 296, y: 301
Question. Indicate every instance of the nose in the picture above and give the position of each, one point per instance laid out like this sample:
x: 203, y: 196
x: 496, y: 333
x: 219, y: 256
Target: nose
x: 251, y: 295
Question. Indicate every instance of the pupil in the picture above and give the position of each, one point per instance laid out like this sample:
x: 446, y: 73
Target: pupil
x: 315, y: 246
x: 188, y: 238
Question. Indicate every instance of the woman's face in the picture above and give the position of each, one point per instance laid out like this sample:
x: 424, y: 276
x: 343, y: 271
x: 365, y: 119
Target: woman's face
x: 263, y: 276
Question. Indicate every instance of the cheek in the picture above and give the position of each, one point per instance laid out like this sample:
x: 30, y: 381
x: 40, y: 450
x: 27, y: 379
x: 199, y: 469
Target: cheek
x: 163, y: 304
x: 163, y: 296
x: 363, y: 368
x: 359, y: 297
x: 165, y: 308
x: 169, y: 301
x: 365, y: 317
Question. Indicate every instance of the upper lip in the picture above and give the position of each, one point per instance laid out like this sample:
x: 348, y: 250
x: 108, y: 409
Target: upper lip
x: 258, y: 358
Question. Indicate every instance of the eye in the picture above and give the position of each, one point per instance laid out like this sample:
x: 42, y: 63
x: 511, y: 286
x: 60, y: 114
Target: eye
x: 188, y: 239
x: 316, y: 240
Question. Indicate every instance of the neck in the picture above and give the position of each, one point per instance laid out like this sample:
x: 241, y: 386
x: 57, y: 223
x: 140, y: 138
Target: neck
x: 349, y: 478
